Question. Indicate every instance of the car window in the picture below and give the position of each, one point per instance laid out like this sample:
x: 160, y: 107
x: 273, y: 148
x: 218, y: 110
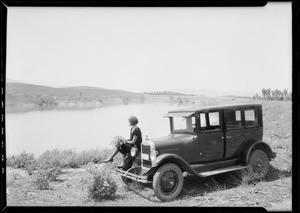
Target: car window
x: 210, y: 121
x: 251, y: 118
x: 184, y: 123
x: 202, y: 120
x: 233, y: 119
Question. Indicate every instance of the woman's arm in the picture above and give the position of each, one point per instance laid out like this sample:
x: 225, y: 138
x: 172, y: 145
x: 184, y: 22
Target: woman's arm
x: 133, y: 140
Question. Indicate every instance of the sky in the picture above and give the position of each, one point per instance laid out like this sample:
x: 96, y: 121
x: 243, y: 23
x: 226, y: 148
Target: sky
x: 152, y: 49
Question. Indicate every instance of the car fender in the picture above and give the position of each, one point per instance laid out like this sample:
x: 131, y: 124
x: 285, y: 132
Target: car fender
x: 173, y: 158
x: 252, y: 145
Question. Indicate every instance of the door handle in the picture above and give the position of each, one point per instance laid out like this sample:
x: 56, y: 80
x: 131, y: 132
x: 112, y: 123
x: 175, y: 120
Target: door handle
x: 227, y: 137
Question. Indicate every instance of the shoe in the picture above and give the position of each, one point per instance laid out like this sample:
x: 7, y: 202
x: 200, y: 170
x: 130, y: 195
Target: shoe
x: 108, y: 160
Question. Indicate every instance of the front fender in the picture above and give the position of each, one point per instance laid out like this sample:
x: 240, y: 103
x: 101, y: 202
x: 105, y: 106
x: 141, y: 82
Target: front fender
x: 172, y: 158
x: 250, y: 146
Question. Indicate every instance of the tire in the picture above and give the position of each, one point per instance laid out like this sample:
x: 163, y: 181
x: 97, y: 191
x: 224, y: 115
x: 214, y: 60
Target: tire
x: 167, y: 182
x: 259, y: 164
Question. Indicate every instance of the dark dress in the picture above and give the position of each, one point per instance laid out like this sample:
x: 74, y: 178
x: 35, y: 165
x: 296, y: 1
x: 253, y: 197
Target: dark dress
x: 125, y: 147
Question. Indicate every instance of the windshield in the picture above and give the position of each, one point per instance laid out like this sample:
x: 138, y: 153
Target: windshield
x: 184, y: 123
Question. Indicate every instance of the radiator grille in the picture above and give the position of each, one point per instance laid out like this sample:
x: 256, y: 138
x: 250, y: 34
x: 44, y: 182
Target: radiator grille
x: 146, y: 151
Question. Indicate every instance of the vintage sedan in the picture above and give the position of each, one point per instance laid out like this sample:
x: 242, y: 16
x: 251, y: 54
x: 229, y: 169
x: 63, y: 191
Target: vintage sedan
x: 202, y: 142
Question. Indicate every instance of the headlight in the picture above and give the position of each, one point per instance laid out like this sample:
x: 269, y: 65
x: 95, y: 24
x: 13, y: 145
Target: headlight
x: 133, y: 151
x: 153, y: 154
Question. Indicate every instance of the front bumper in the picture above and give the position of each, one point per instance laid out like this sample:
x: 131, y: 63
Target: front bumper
x: 133, y: 174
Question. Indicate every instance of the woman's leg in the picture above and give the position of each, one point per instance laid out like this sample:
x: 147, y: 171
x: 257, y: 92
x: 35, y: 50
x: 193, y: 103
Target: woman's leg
x: 110, y: 159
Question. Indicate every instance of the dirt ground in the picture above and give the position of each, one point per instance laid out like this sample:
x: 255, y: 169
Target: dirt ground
x: 274, y: 193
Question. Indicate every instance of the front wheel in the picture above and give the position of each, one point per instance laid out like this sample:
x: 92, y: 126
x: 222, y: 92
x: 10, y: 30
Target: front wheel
x: 168, y: 182
x: 259, y: 164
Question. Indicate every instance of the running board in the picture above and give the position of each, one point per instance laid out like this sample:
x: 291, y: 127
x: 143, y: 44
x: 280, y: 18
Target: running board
x: 223, y: 170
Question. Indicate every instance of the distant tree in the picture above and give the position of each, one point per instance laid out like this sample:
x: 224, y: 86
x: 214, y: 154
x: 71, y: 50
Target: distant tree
x: 273, y: 94
x: 268, y: 94
x: 264, y: 93
x: 290, y: 95
x: 256, y: 97
x: 285, y: 94
x: 171, y: 97
x: 278, y: 94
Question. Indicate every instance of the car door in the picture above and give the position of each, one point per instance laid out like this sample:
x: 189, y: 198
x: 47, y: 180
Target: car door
x: 211, y: 136
x: 234, y: 130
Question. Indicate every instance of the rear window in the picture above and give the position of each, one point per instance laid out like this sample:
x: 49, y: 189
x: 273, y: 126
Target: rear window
x: 251, y: 117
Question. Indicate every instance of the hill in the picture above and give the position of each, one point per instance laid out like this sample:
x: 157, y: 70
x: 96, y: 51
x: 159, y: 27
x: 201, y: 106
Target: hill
x: 22, y: 93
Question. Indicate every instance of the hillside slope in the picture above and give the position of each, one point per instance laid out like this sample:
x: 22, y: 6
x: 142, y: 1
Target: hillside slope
x: 20, y: 93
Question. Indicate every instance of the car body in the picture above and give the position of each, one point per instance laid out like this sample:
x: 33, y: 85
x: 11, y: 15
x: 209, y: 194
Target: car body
x: 203, y: 142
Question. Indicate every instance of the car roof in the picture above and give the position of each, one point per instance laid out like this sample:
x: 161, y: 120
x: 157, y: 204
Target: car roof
x: 212, y: 108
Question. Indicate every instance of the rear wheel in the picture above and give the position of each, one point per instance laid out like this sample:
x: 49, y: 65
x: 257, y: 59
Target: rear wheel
x: 259, y: 164
x: 168, y: 182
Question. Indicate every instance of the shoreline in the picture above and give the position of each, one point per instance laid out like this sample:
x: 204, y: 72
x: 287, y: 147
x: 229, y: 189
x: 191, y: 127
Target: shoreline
x: 86, y: 105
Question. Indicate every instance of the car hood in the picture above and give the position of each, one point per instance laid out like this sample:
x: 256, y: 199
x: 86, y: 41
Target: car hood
x: 171, y: 141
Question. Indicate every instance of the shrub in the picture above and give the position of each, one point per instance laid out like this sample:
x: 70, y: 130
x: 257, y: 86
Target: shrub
x: 22, y: 160
x: 42, y: 181
x: 83, y: 158
x: 31, y: 167
x: 45, y: 176
x: 49, y: 159
x: 53, y: 173
x: 57, y: 158
x: 103, y: 187
x: 68, y: 158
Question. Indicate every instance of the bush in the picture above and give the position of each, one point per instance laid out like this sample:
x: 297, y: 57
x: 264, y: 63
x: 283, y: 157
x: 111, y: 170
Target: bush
x: 53, y: 173
x: 42, y: 181
x: 31, y: 167
x: 68, y: 158
x: 22, y: 160
x: 45, y: 176
x: 49, y: 159
x: 83, y: 158
x: 103, y: 187
x: 56, y: 158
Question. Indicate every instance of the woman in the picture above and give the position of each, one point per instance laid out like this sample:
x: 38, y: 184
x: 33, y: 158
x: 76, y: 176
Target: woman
x: 134, y: 140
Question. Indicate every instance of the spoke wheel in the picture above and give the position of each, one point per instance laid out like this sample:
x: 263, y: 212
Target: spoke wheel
x: 259, y: 164
x: 167, y: 182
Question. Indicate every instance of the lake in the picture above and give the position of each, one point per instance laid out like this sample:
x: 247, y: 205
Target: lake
x: 81, y: 129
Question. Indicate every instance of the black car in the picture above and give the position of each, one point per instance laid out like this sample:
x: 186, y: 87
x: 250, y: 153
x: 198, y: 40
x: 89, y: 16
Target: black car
x: 202, y: 142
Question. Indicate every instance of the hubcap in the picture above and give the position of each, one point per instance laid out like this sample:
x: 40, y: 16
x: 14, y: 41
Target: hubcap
x: 169, y: 182
x: 259, y: 164
x: 258, y: 167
